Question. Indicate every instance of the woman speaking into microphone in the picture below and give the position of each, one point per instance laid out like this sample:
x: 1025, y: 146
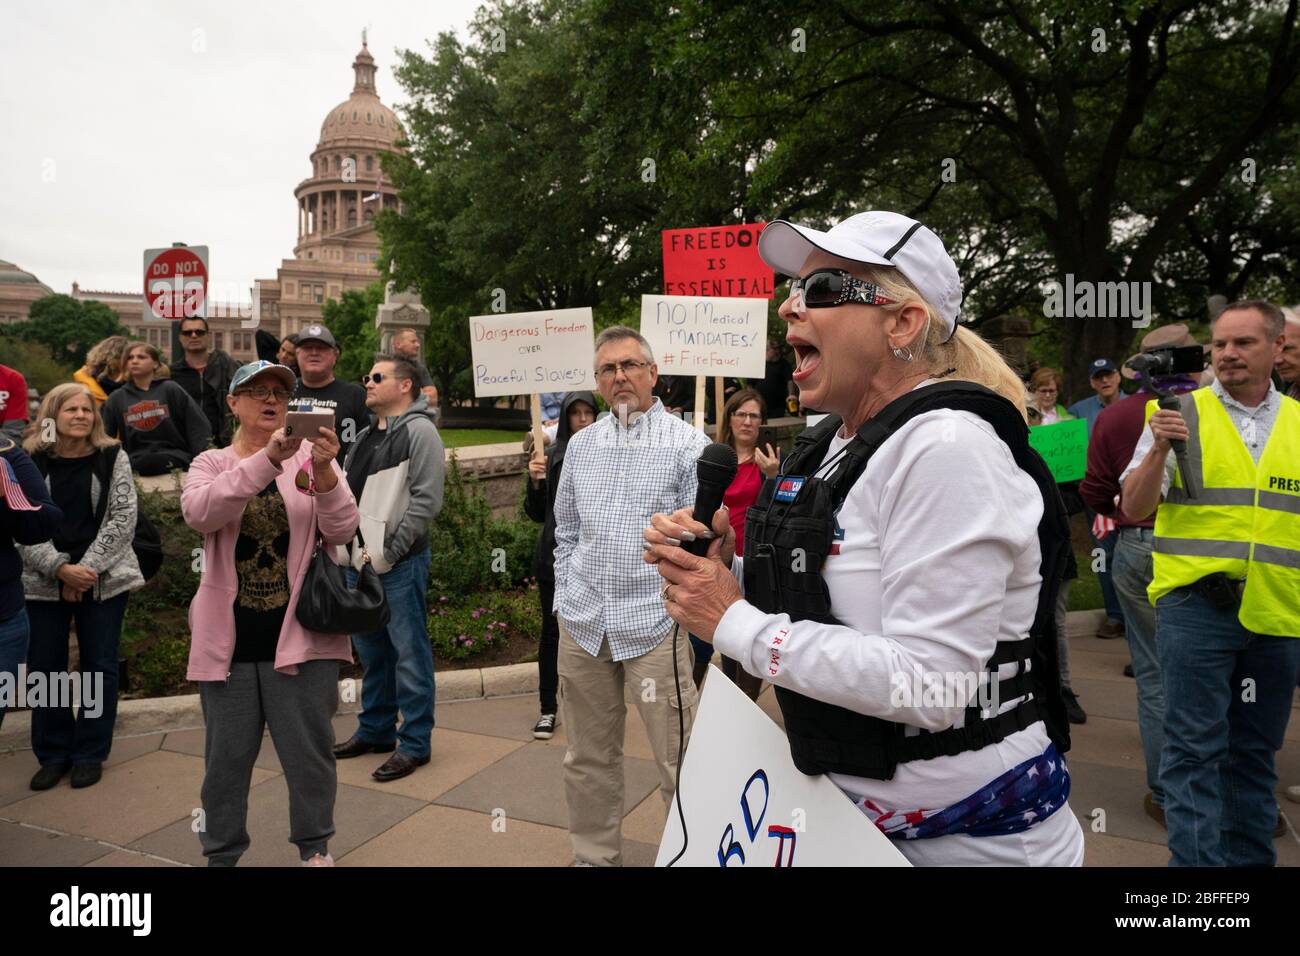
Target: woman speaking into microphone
x: 892, y: 570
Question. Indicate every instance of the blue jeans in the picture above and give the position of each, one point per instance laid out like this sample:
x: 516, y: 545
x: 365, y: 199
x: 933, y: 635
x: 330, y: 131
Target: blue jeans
x: 397, y: 662
x: 1131, y: 572
x: 56, y: 735
x: 703, y: 649
x: 13, y: 648
x: 1114, y: 608
x: 1218, y: 762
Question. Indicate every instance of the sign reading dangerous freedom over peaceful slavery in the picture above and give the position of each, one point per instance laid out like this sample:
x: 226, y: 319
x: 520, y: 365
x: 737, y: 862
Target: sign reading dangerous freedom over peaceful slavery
x: 716, y: 260
x: 706, y: 336
x: 521, y: 353
x: 745, y: 804
x: 1064, y: 446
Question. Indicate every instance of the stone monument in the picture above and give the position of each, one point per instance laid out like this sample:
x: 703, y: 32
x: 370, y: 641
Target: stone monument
x: 400, y: 310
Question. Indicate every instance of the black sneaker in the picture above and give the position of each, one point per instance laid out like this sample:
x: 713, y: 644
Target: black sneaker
x: 86, y: 774
x: 1128, y: 670
x: 545, y: 727
x: 1072, y: 709
x: 50, y: 774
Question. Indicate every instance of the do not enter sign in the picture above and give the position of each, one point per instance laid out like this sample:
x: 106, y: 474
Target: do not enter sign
x: 176, y: 283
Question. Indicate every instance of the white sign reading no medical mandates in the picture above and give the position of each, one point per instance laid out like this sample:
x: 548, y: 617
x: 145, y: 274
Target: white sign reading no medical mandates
x: 692, y: 335
x: 747, y: 805
x: 523, y: 353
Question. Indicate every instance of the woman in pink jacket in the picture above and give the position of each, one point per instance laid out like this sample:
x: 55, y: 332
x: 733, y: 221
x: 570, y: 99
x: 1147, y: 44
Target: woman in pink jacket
x: 260, y: 504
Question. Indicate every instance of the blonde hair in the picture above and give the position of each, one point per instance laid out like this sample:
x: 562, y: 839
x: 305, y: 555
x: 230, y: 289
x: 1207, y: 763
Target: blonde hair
x: 162, y: 371
x: 106, y: 356
x: 1044, y: 376
x: 51, y: 404
x: 964, y: 356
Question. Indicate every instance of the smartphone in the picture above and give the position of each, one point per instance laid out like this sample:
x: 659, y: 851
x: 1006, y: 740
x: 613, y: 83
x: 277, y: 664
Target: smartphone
x: 307, y: 424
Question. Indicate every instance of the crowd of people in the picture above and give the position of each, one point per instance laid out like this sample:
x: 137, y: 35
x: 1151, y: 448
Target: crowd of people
x: 911, y: 533
x: 268, y: 505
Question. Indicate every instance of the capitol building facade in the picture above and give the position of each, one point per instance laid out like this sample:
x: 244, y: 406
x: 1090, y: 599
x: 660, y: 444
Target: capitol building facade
x: 336, y: 245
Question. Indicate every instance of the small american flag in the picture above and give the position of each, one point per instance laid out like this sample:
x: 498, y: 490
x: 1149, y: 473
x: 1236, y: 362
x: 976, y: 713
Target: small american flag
x: 1102, y: 526
x: 14, y: 491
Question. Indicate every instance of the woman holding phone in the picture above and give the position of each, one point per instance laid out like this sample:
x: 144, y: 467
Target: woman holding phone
x: 261, y: 504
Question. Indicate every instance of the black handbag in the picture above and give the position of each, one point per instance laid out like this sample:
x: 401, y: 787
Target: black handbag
x: 328, y: 605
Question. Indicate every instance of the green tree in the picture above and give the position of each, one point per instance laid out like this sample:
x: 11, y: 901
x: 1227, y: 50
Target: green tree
x: 67, y: 327
x: 33, y: 360
x: 1147, y: 142
x: 352, y: 321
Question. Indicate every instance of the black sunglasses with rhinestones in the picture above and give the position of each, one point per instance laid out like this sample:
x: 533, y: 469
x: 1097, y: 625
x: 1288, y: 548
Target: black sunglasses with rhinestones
x: 826, y: 288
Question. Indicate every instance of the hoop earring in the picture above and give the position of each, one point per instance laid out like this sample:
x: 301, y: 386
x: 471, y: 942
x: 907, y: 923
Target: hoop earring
x: 903, y: 353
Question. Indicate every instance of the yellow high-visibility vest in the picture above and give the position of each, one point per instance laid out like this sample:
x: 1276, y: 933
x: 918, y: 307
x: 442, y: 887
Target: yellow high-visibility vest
x: 1245, y: 520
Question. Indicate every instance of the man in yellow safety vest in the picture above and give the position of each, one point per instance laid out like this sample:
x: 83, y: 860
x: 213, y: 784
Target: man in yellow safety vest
x: 1226, y: 588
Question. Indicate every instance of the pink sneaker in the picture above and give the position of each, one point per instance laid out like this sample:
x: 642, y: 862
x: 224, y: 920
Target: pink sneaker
x: 319, y: 860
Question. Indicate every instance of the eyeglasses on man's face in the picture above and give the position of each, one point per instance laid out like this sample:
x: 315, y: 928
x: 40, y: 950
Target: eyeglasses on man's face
x: 375, y: 377
x: 607, y: 371
x: 193, y: 333
x: 827, y: 288
x: 261, y: 393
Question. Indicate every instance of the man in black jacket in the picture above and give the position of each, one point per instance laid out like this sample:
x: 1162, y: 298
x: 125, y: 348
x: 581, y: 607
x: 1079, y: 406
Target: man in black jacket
x: 205, y: 373
x: 577, y: 411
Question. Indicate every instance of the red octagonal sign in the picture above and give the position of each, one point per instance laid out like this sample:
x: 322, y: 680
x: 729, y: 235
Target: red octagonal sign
x: 176, y: 283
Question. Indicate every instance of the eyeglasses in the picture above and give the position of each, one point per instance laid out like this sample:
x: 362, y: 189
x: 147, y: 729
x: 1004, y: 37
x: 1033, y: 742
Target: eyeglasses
x: 378, y: 377
x: 747, y: 416
x: 193, y: 333
x: 606, y: 372
x: 1045, y: 391
x: 826, y: 288
x: 261, y: 393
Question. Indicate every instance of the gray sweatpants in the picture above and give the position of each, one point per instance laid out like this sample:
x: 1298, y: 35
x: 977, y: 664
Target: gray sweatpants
x: 1062, y: 632
x: 298, y: 710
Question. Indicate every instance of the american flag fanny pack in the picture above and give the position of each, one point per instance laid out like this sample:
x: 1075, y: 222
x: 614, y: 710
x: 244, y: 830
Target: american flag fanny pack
x: 1022, y: 797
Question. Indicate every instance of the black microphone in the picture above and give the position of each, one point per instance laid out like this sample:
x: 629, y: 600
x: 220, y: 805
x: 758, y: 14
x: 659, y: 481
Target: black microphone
x: 716, y: 470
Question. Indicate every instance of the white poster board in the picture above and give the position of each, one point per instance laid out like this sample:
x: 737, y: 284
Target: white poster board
x: 746, y: 804
x: 693, y: 335
x: 525, y: 353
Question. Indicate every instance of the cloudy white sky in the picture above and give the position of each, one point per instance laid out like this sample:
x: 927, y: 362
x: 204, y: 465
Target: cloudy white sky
x: 129, y: 125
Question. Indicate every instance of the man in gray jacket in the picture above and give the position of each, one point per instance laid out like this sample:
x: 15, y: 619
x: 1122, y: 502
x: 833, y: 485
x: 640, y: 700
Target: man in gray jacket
x: 395, y: 470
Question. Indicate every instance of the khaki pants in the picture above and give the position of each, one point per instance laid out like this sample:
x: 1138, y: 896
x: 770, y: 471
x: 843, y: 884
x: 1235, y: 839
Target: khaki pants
x: 593, y: 712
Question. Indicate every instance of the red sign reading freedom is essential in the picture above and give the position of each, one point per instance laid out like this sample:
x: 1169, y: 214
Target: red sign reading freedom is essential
x: 716, y: 261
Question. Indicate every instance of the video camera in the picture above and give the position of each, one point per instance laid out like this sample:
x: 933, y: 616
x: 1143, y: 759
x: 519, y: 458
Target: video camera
x: 1171, y: 360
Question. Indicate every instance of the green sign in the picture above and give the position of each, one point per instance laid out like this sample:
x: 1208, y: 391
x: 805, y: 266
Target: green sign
x: 1064, y: 446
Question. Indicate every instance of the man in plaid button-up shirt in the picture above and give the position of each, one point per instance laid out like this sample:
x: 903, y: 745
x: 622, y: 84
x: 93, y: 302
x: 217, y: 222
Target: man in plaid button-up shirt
x: 636, y: 462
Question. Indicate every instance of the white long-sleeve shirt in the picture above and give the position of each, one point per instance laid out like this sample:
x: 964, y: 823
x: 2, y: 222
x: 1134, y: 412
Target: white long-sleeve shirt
x: 938, y: 559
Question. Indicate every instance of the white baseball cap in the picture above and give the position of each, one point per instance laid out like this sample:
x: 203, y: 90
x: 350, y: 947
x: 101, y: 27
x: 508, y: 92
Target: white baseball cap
x: 877, y: 238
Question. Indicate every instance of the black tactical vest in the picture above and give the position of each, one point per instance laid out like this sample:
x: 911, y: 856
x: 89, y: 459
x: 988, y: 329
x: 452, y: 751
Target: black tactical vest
x: 788, y: 534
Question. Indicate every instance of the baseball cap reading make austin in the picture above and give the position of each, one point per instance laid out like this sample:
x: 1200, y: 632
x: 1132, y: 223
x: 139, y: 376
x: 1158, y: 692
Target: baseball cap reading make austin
x: 316, y: 333
x: 877, y: 238
x: 247, y: 372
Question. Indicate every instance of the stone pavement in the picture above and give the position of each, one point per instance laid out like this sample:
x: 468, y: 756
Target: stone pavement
x: 493, y: 796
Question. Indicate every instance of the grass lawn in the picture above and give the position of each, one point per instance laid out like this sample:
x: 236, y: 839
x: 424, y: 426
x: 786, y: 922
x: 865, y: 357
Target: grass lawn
x: 464, y: 437
x: 1085, y: 590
